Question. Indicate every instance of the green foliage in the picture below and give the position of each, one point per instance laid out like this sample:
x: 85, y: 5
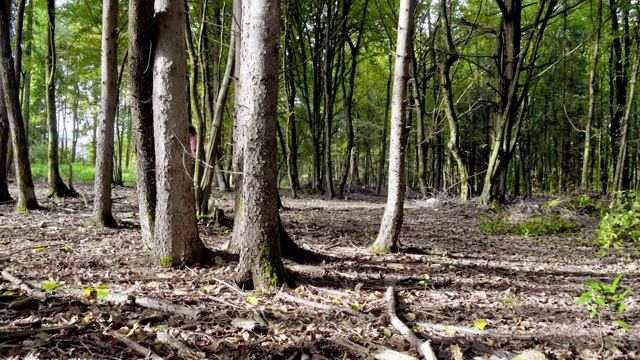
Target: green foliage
x: 585, y: 204
x: 81, y: 172
x: 604, y: 297
x: 620, y: 226
x: 166, y: 262
x: 538, y: 225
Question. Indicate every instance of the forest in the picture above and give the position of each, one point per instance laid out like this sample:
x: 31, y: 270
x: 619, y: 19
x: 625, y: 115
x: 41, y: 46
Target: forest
x: 320, y: 179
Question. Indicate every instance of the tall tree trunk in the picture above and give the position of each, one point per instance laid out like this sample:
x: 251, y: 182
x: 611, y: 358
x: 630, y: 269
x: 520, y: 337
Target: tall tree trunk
x: 290, y: 89
x: 348, y: 87
x: 176, y: 231
x: 618, y: 180
x: 260, y: 259
x: 4, y: 142
x: 584, y: 179
x: 102, y: 203
x: 391, y: 223
x: 385, y: 125
x: 56, y: 185
x: 8, y: 83
x: 511, y: 53
x: 421, y: 140
x: 141, y: 33
x: 329, y: 98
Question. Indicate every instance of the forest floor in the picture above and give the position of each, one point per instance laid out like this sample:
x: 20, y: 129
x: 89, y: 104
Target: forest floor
x: 450, y: 278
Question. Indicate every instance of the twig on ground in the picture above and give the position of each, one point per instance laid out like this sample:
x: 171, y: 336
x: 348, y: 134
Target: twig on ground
x: 423, y: 347
x: 147, y: 353
x: 326, y: 307
x: 150, y: 303
x: 24, y: 286
x: 31, y: 247
x: 471, y: 331
x: 378, y: 352
x: 20, y: 334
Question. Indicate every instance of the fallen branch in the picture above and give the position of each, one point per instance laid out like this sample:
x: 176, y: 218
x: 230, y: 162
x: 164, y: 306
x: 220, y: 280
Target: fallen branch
x: 155, y: 304
x: 377, y: 352
x: 13, y: 335
x: 326, y: 307
x: 30, y: 248
x: 24, y: 286
x: 423, y: 347
x: 471, y: 331
x: 147, y: 353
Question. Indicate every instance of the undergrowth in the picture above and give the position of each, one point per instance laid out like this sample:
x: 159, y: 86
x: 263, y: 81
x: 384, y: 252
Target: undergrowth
x: 537, y: 225
x: 620, y: 224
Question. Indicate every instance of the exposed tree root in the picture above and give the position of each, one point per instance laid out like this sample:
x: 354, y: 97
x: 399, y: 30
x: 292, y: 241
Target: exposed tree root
x: 423, y: 347
x: 147, y: 353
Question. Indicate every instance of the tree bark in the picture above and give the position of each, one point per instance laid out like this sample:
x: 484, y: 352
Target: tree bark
x: 393, y: 215
x: 385, y: 126
x: 260, y: 258
x: 584, y: 179
x: 618, y: 180
x: 56, y: 185
x: 102, y: 213
x: 176, y: 232
x: 26, y: 192
x: 141, y: 33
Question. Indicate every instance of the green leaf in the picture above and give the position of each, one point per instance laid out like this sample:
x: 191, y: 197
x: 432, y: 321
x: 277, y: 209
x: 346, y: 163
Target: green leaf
x: 480, y: 324
x: 9, y: 293
x: 449, y: 330
x: 399, y: 267
x: 585, y: 297
x: 387, y: 333
x: 50, y: 285
x: 592, y: 284
x: 102, y: 290
x: 614, y: 284
x: 252, y: 300
x: 623, y: 324
x: 599, y: 301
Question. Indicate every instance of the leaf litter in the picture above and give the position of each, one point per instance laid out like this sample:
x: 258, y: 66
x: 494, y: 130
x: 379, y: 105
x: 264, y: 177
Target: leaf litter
x: 74, y: 290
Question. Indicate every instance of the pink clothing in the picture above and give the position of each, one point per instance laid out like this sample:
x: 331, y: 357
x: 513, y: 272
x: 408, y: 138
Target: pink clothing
x: 193, y: 140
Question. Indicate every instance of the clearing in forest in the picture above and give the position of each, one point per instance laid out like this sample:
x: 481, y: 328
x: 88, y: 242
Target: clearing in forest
x: 473, y: 294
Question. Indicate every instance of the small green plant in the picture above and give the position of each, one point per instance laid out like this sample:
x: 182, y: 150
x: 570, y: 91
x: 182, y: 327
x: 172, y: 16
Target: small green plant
x: 538, y: 225
x: 166, y: 262
x: 620, y: 225
x: 585, y: 204
x: 603, y: 298
x: 548, y: 205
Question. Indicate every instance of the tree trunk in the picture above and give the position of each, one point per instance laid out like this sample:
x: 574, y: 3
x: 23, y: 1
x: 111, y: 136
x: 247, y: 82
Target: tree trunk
x: 329, y: 50
x: 26, y: 192
x: 102, y: 204
x: 392, y: 219
x: 56, y: 185
x: 176, y: 232
x: 385, y: 125
x: 260, y: 259
x: 584, y: 179
x: 141, y: 33
x: 618, y: 180
x: 290, y: 89
x: 4, y: 142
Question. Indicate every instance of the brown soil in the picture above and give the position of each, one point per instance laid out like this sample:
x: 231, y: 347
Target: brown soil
x: 448, y: 275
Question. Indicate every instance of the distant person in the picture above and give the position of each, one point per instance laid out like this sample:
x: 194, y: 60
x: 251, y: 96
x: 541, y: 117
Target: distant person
x: 193, y: 140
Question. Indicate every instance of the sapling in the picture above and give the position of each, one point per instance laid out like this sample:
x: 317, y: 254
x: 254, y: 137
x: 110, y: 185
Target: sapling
x: 603, y: 297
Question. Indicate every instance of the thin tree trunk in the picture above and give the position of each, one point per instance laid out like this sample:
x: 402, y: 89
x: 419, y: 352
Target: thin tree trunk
x: 618, y: 180
x: 141, y: 33
x: 56, y: 185
x: 385, y: 125
x: 8, y: 83
x: 102, y: 204
x: 391, y: 223
x: 584, y: 179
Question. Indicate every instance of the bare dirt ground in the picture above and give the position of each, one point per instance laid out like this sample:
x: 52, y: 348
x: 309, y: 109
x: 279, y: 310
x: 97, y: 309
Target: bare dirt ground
x: 108, y: 303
